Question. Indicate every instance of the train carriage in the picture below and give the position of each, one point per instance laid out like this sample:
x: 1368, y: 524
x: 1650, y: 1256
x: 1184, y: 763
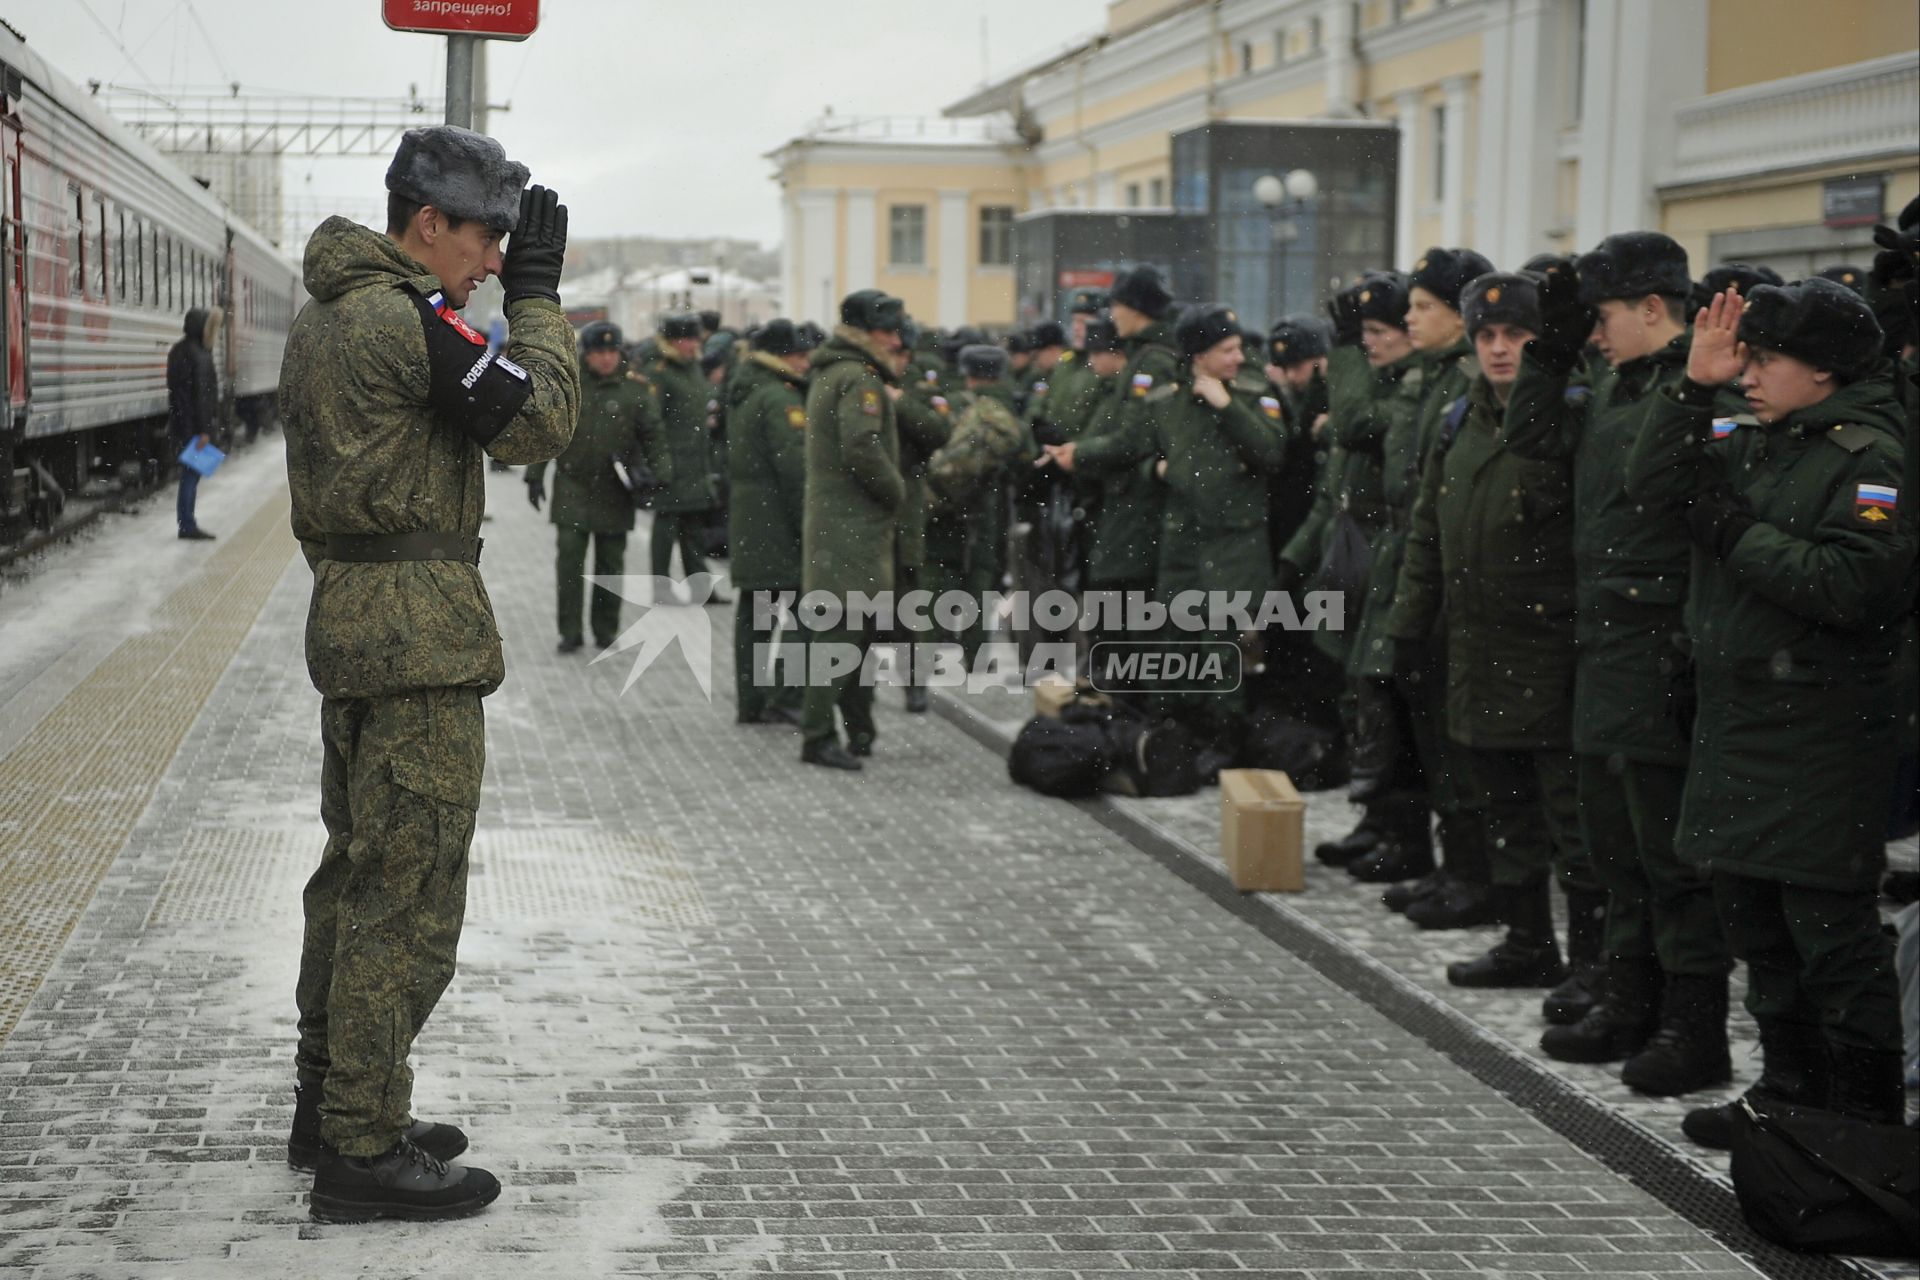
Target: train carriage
x: 105, y: 244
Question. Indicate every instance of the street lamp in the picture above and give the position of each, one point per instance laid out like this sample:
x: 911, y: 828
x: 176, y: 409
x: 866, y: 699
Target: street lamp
x: 1284, y: 198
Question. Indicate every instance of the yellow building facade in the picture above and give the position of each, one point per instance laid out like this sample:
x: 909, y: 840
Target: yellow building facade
x: 1750, y: 130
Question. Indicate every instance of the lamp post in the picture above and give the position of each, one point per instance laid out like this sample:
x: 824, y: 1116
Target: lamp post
x: 1285, y: 198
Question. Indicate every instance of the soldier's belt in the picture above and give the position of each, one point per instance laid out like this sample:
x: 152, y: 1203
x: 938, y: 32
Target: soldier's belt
x: 381, y: 548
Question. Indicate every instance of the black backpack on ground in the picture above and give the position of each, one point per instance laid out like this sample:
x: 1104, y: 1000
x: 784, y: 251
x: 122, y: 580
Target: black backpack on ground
x: 1820, y: 1181
x: 1059, y: 757
x: 1093, y: 746
x: 1310, y: 755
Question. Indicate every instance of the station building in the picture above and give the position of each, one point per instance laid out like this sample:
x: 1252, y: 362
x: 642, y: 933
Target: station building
x: 1750, y: 130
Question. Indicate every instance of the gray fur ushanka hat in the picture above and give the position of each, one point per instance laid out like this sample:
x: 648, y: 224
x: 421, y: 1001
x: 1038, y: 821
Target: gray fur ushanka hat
x: 459, y: 172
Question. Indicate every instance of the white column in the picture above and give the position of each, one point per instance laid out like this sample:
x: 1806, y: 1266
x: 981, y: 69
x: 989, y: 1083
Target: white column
x: 791, y: 278
x: 1597, y: 124
x: 818, y: 290
x: 1661, y: 58
x: 1105, y: 195
x: 952, y: 261
x: 863, y: 234
x: 1406, y: 199
x: 1453, y: 205
x: 1490, y: 211
x: 1336, y: 43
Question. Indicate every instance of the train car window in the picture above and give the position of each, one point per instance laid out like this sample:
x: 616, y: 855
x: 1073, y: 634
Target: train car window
x: 120, y: 258
x: 166, y: 271
x: 139, y: 262
x: 76, y: 246
x: 97, y: 248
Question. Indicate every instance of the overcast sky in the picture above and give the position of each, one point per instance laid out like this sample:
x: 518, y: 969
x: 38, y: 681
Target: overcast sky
x: 648, y: 118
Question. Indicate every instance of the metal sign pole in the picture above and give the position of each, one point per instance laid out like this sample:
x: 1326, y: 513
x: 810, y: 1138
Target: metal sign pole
x: 460, y: 80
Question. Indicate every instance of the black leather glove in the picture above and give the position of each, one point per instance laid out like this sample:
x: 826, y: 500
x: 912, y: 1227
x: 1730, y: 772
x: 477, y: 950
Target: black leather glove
x: 537, y: 249
x: 1717, y: 519
x: 1565, y: 322
x: 536, y: 491
x: 1287, y: 577
x: 1344, y: 310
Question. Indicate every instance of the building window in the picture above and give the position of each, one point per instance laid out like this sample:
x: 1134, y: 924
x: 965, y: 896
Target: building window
x: 907, y: 235
x: 1133, y: 195
x: 1316, y: 35
x: 1157, y: 193
x: 1440, y: 152
x: 1246, y: 57
x: 996, y: 235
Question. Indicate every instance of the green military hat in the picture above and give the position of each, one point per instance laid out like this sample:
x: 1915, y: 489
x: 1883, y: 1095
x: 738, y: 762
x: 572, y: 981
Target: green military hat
x: 601, y: 335
x: 1142, y: 288
x: 1103, y: 335
x: 1634, y: 264
x: 1048, y: 333
x: 1851, y: 277
x: 1381, y: 296
x: 1204, y: 327
x: 983, y: 360
x: 1825, y: 324
x: 872, y: 309
x: 1741, y: 275
x: 715, y: 351
x: 1445, y: 272
x: 1501, y: 297
x: 677, y: 326
x: 1295, y: 339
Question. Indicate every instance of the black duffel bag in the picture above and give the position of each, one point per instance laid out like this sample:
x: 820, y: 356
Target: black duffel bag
x: 1060, y: 757
x: 1827, y: 1183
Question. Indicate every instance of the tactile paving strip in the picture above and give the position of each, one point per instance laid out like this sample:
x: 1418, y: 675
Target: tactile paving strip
x: 226, y: 874
x: 73, y: 789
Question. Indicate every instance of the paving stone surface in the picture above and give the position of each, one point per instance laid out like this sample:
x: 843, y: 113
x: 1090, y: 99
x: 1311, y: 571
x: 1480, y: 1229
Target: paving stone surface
x: 718, y: 1014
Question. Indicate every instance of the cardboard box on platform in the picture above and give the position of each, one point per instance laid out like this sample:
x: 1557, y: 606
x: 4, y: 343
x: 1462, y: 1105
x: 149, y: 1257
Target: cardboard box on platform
x: 1262, y: 830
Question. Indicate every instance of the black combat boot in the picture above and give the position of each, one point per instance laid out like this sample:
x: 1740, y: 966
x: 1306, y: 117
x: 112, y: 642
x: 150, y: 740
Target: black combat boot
x: 1689, y: 1051
x: 1464, y: 904
x: 1617, y: 1027
x: 570, y: 644
x: 1793, y: 1068
x: 1360, y: 840
x: 1406, y: 854
x: 829, y: 752
x: 1527, y: 956
x: 1867, y: 1084
x: 917, y: 699
x: 1399, y: 897
x: 406, y: 1182
x: 305, y: 1146
x: 1573, y: 999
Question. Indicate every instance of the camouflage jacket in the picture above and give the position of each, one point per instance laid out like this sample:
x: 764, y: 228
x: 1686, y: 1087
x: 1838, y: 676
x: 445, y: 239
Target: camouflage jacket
x: 384, y: 418
x: 987, y: 440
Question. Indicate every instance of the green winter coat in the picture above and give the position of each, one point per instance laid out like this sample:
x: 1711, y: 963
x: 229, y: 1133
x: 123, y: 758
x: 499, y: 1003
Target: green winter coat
x: 680, y: 397
x: 1062, y: 412
x: 368, y: 454
x: 614, y: 420
x: 1490, y: 555
x: 767, y: 476
x: 1113, y: 448
x: 854, y: 486
x: 1630, y: 559
x: 1793, y: 635
x: 1390, y: 413
x: 1213, y: 536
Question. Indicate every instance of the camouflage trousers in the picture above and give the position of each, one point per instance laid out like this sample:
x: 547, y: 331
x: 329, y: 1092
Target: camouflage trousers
x: 399, y: 785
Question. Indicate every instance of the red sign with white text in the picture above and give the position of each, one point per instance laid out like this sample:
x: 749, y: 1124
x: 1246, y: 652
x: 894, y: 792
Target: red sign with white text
x: 494, y: 19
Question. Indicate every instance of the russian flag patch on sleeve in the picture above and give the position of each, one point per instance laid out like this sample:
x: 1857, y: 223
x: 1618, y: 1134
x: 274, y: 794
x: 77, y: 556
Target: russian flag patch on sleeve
x: 1723, y: 427
x: 1875, y: 504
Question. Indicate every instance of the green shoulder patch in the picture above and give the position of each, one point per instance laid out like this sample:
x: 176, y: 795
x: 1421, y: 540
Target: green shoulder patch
x: 1851, y: 438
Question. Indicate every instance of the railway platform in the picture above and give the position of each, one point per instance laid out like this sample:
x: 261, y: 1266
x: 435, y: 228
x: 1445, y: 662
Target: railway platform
x: 719, y: 1014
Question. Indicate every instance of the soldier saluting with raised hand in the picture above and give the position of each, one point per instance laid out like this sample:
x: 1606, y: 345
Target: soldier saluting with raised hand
x: 392, y: 402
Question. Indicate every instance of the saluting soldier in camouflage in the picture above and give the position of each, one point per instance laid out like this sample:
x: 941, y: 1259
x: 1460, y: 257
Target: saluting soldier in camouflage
x: 392, y: 404
x: 1800, y: 582
x: 854, y: 494
x: 592, y: 500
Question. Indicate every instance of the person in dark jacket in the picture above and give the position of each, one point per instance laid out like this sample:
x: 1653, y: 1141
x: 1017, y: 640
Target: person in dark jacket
x: 193, y: 404
x: 1800, y: 577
